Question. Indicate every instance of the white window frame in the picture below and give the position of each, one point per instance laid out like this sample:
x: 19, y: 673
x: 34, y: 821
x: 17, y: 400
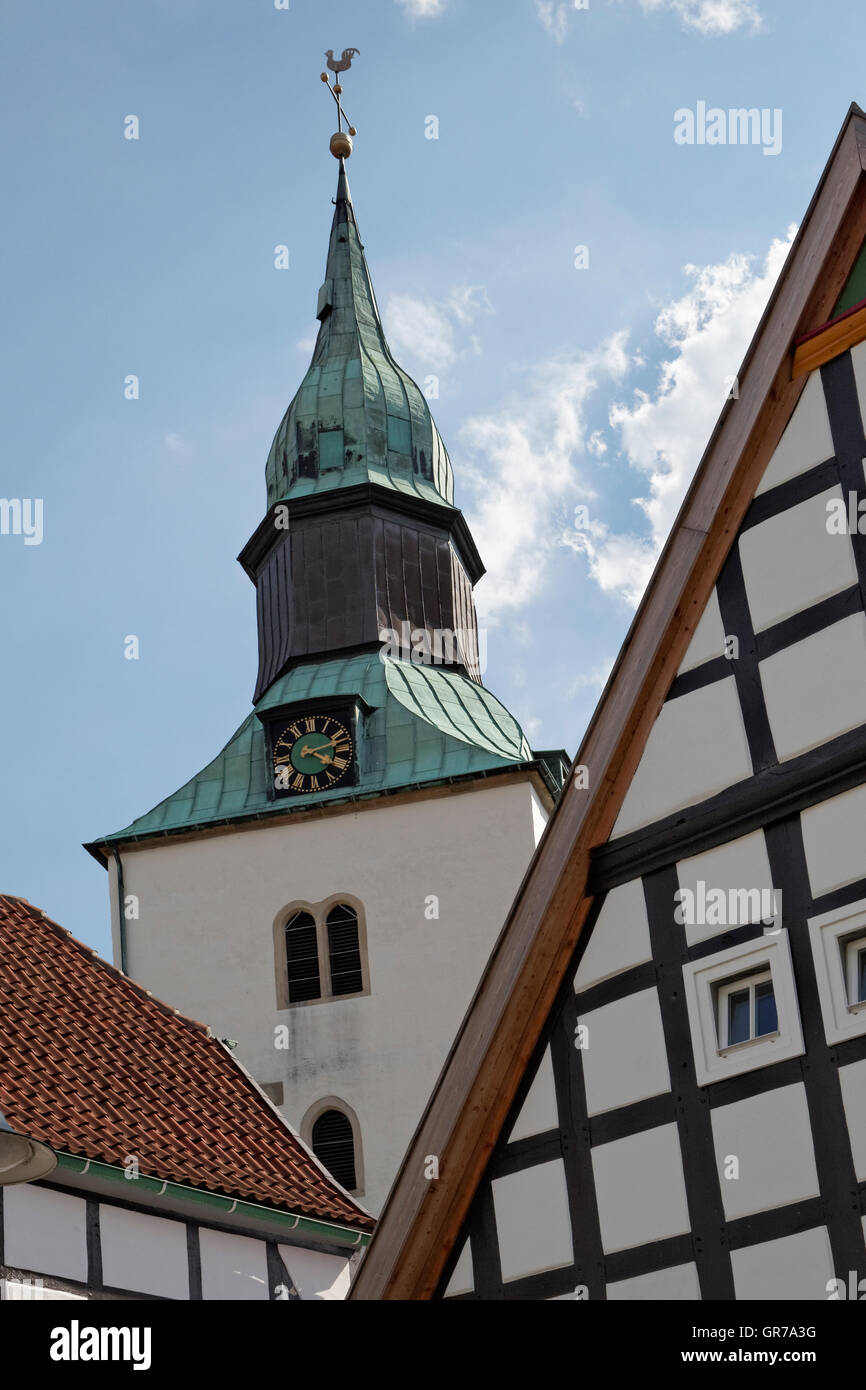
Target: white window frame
x: 853, y: 950
x: 736, y: 986
x: 704, y: 980
x: 835, y: 938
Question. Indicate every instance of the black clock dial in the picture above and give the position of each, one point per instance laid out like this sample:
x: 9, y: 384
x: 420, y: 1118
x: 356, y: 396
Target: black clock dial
x: 312, y: 753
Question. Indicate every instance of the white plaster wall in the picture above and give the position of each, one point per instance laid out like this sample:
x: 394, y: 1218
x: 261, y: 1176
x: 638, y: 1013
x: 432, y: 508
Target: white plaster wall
x: 624, y: 1060
x: 463, y: 1277
x: 834, y: 838
x: 807, y: 440
x: 680, y: 1282
x: 709, y: 636
x: 144, y: 1253
x: 640, y: 1188
x: 532, y: 1220
x: 696, y: 747
x: 791, y: 1268
x: 816, y: 689
x: 45, y: 1231
x: 620, y: 938
x: 232, y: 1267
x: 316, y: 1276
x: 538, y: 1112
x: 741, y: 863
x: 791, y: 561
x: 204, y: 943
x: 770, y: 1138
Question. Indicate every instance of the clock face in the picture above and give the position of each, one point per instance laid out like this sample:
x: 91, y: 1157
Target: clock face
x: 312, y: 753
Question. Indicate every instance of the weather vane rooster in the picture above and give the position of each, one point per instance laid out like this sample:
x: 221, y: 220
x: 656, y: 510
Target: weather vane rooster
x: 341, y: 141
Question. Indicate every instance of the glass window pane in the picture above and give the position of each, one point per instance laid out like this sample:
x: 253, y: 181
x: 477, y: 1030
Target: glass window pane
x: 738, y: 1017
x: 861, y: 976
x: 766, y: 1020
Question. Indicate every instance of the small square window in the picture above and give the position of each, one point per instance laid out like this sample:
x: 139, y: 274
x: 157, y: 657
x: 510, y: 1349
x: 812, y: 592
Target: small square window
x: 855, y: 971
x: 838, y: 941
x: 742, y: 1007
x: 746, y: 1010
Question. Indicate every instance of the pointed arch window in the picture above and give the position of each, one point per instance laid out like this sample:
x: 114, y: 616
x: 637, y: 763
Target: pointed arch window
x: 321, y: 953
x: 333, y: 1143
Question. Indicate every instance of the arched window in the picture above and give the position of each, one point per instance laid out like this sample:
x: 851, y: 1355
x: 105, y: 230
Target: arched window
x: 344, y: 950
x: 334, y: 1146
x: 321, y: 953
x: 302, y: 958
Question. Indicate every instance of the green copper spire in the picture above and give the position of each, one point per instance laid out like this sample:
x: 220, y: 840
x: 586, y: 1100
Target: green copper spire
x: 357, y: 417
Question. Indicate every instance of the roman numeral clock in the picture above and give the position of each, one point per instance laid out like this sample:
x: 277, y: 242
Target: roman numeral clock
x: 312, y: 749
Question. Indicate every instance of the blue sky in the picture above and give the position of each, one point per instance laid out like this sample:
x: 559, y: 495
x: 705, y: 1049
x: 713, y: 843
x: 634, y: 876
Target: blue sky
x: 558, y: 386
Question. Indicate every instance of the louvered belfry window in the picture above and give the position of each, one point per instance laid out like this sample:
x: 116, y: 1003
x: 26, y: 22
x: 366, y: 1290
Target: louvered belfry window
x: 302, y: 958
x: 334, y: 1146
x: 344, y: 951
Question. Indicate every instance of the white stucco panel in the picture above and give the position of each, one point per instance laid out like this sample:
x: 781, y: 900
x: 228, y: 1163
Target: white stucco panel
x: 45, y: 1231
x: 740, y: 864
x: 807, y: 440
x: 834, y: 837
x: 816, y: 689
x: 624, y: 1059
x: 316, y: 1275
x: 853, y: 1082
x: 232, y: 1267
x: 792, y: 561
x: 792, y: 1268
x: 709, y: 636
x: 538, y: 1111
x: 620, y: 938
x: 764, y: 1151
x: 680, y: 1282
x: 697, y: 747
x: 532, y: 1220
x: 143, y: 1253
x: 462, y: 1278
x: 640, y: 1188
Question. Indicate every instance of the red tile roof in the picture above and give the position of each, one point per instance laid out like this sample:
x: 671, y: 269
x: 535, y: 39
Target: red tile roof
x: 94, y: 1065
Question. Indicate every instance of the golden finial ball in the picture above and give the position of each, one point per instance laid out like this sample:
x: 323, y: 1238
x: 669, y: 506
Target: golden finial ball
x: 341, y: 145
x: 352, y: 130
x: 324, y: 76
x: 338, y: 89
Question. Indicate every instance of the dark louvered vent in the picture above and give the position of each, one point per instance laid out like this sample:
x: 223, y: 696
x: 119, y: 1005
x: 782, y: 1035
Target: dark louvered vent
x: 334, y: 1146
x: 302, y: 958
x: 344, y: 951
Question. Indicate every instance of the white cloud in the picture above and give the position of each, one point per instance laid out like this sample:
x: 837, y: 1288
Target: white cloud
x: 711, y: 17
x: 423, y: 9
x: 664, y: 435
x: 708, y: 17
x: 554, y: 17
x: 305, y: 344
x: 531, y: 461
x: 425, y: 329
x: 521, y: 464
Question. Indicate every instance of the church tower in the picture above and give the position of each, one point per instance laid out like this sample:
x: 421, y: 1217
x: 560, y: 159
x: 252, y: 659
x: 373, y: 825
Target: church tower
x: 327, y: 890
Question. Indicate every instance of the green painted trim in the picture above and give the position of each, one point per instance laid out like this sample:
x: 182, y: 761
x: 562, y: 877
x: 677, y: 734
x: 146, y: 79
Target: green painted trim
x: 254, y: 1211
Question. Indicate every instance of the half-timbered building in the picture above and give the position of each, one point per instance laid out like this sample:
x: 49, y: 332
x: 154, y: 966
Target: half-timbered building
x: 160, y: 1169
x: 659, y: 1091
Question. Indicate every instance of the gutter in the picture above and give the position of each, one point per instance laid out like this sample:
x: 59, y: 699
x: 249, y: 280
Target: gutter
x: 253, y: 1211
x: 121, y: 906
